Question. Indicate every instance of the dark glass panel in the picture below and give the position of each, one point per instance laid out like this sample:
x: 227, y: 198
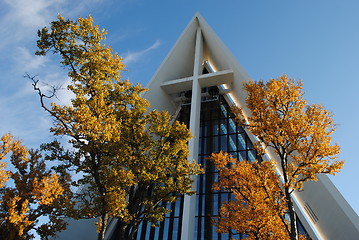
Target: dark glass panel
x: 232, y: 143
x: 241, y: 143
x: 223, y: 126
x: 223, y: 143
x: 232, y: 126
x: 243, y: 155
x: 252, y: 156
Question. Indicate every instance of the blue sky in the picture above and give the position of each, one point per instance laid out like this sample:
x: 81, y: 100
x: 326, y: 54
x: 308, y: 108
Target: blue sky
x: 316, y: 41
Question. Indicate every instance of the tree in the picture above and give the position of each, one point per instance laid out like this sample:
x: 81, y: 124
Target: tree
x: 258, y: 208
x: 298, y: 133
x: 130, y: 160
x: 28, y: 192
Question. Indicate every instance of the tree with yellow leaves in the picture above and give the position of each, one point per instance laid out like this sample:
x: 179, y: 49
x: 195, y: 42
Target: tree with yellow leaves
x: 299, y: 134
x: 28, y: 192
x: 258, y: 208
x: 130, y: 160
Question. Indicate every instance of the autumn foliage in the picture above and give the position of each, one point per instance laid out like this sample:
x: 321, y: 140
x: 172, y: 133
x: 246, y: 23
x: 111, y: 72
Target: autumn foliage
x: 258, y: 209
x: 28, y: 192
x: 130, y: 160
x: 299, y: 135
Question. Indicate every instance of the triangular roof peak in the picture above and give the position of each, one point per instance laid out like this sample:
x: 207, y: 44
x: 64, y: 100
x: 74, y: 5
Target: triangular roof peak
x: 199, y: 17
x: 180, y: 61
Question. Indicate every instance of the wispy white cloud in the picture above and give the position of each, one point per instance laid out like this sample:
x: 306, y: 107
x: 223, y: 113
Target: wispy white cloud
x: 30, y: 13
x: 19, y: 21
x: 132, y: 57
x: 22, y: 18
x: 26, y: 60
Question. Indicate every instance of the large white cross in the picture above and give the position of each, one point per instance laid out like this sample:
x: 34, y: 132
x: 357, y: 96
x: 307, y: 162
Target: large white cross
x: 195, y: 83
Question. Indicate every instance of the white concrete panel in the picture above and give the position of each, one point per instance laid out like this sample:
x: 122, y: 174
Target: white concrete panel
x: 216, y: 78
x: 178, y: 85
x: 328, y: 211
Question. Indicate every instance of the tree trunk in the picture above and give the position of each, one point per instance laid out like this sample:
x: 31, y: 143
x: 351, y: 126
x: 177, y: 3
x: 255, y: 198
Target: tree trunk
x: 120, y: 231
x: 293, y: 221
x: 133, y: 231
x: 292, y: 217
x: 103, y: 222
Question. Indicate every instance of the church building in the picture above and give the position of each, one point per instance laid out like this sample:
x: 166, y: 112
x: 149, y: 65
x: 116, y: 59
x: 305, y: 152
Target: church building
x: 197, y: 83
